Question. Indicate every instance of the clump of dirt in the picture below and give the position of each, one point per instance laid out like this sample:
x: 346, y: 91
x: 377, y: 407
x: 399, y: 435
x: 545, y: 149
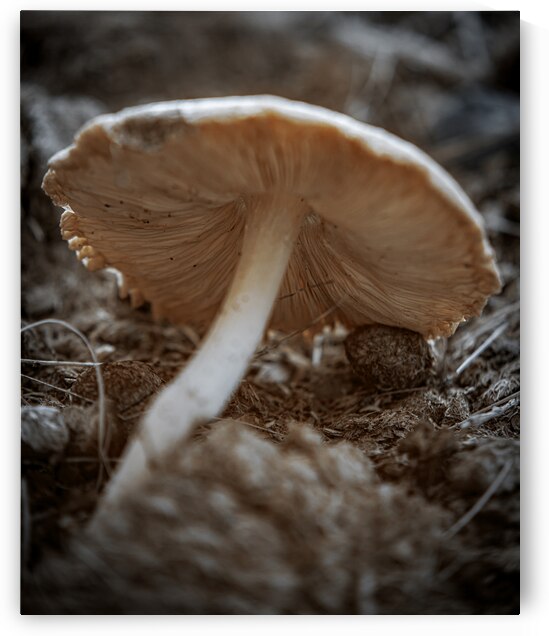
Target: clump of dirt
x: 376, y: 432
x: 389, y: 358
x: 129, y: 386
x: 237, y: 525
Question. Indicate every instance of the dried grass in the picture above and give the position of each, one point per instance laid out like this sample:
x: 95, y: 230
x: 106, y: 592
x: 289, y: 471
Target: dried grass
x: 103, y: 430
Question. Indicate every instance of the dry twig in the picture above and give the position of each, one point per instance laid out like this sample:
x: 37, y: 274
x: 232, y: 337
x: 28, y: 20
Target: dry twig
x: 101, y: 404
x: 476, y: 353
x: 479, y: 505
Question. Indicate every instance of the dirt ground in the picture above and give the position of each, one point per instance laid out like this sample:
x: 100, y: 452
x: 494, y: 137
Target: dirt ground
x: 448, y: 449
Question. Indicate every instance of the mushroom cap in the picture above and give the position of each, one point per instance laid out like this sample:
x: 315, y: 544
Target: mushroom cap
x: 158, y: 193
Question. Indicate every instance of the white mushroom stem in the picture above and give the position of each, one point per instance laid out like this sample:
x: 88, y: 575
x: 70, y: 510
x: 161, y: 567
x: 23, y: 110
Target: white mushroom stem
x: 203, y: 388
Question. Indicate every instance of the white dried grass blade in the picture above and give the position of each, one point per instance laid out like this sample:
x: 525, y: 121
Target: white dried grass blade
x: 57, y: 388
x: 101, y: 404
x: 56, y: 363
x: 489, y: 412
x: 470, y: 359
x: 479, y: 505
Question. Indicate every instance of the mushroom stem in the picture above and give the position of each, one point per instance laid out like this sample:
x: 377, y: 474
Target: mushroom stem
x: 203, y: 388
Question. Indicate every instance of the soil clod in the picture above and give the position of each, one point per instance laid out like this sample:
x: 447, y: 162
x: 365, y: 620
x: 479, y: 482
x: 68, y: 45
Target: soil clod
x: 389, y: 358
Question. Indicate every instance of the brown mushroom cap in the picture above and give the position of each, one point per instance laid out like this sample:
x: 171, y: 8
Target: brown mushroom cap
x: 159, y: 193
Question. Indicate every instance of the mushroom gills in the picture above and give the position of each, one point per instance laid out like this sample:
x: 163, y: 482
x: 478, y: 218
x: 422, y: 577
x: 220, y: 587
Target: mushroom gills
x: 203, y: 388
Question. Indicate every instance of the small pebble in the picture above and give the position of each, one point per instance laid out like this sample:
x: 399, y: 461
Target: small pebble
x: 43, y: 429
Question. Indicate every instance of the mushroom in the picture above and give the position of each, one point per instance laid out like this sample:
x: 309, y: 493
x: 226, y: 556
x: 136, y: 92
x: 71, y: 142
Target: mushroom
x: 246, y: 209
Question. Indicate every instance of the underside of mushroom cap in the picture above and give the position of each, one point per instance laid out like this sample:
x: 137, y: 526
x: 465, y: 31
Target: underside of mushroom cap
x: 160, y: 194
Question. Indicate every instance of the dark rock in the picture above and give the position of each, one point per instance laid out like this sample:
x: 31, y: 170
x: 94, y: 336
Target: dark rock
x: 389, y: 358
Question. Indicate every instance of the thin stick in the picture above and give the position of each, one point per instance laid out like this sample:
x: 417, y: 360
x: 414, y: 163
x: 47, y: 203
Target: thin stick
x: 55, y: 363
x: 103, y: 441
x: 486, y: 409
x: 498, y: 403
x: 57, y: 388
x: 467, y: 362
x: 87, y: 460
x: 323, y: 315
x: 40, y: 396
x: 486, y: 324
x: 461, y: 523
x: 365, y: 394
x: 259, y: 428
x: 396, y: 391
